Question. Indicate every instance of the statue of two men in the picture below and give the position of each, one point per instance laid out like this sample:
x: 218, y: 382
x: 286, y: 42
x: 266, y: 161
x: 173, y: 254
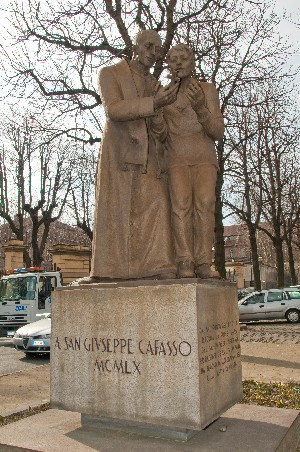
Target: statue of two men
x: 148, y: 225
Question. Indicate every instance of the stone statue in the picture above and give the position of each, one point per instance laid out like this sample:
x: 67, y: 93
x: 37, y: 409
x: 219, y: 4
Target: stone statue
x: 132, y: 236
x: 189, y: 127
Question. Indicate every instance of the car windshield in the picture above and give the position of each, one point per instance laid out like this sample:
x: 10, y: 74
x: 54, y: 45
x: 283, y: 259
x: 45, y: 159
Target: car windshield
x: 21, y: 288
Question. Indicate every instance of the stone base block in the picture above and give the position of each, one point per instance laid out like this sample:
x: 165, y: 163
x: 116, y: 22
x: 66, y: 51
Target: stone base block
x: 166, y: 355
x: 96, y: 424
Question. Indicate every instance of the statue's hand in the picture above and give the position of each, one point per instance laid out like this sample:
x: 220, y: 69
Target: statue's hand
x: 195, y: 95
x: 165, y: 96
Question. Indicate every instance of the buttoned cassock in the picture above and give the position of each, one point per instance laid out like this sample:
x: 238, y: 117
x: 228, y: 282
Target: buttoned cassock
x: 132, y: 233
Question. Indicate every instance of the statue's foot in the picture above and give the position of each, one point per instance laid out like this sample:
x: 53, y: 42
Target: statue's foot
x: 205, y: 272
x: 89, y: 280
x: 186, y: 269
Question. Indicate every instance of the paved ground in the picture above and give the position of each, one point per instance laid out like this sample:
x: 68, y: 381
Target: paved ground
x: 270, y: 352
x: 243, y: 428
x: 270, y: 362
x: 23, y: 389
x: 12, y: 360
x: 23, y: 381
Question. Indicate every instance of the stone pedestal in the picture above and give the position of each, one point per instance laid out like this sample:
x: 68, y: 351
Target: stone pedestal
x: 13, y: 252
x: 165, y: 354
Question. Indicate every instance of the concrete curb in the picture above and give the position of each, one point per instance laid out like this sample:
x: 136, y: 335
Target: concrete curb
x: 5, y: 342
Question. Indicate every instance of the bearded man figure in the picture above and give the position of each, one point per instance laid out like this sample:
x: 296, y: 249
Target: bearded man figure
x: 132, y: 232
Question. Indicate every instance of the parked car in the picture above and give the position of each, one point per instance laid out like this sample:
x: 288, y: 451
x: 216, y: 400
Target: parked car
x: 271, y: 304
x: 34, y: 337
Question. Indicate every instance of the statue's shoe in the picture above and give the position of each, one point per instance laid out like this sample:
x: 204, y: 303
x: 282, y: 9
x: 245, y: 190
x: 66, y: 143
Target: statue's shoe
x: 186, y: 269
x: 205, y: 272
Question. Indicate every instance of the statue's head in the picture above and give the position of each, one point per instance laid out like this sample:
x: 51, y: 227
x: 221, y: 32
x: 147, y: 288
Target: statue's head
x: 147, y: 47
x: 181, y: 60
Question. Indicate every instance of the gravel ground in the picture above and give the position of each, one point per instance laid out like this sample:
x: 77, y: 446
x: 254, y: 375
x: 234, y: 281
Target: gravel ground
x: 271, y: 332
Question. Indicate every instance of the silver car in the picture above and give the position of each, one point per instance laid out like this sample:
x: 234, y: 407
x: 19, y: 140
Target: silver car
x: 271, y: 304
x: 34, y: 337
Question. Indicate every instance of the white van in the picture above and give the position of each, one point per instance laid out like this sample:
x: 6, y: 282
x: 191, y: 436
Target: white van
x: 25, y: 296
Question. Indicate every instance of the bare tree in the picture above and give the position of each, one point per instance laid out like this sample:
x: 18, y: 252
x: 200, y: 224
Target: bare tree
x: 281, y: 139
x: 265, y: 176
x: 291, y: 216
x: 12, y: 211
x: 35, y: 183
x: 244, y: 196
x: 83, y: 190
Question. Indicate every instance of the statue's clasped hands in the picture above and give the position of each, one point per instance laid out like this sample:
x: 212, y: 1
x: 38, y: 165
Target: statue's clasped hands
x: 195, y: 95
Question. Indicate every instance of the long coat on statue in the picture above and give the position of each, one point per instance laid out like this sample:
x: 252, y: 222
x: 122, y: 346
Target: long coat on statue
x: 132, y: 232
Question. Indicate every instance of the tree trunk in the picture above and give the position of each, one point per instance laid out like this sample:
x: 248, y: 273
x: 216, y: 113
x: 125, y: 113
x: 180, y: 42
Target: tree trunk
x: 85, y: 227
x: 254, y: 253
x: 219, y: 229
x: 26, y: 258
x: 280, y: 263
x: 291, y: 263
x: 19, y: 233
x: 45, y: 235
x: 36, y: 256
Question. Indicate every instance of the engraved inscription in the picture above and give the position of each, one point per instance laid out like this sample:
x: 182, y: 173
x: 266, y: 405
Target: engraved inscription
x: 106, y: 347
x: 122, y: 367
x: 219, y: 349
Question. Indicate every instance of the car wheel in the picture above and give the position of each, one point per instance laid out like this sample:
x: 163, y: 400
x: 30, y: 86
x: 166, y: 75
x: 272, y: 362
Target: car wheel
x: 293, y: 316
